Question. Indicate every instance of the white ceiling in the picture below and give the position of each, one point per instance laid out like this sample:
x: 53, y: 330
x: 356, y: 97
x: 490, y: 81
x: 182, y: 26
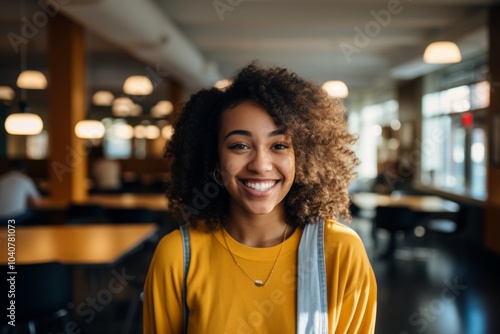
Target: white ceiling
x: 198, y: 45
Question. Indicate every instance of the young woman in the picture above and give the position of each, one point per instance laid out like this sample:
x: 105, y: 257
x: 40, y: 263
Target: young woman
x: 258, y: 173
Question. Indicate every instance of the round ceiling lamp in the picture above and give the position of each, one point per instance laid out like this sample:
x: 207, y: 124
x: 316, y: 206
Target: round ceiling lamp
x: 162, y: 108
x: 24, y: 122
x: 138, y: 85
x: 443, y: 52
x: 223, y: 84
x: 122, y: 106
x: 103, y: 98
x: 140, y: 131
x: 152, y: 132
x: 336, y: 88
x: 167, y: 132
x: 89, y: 129
x: 31, y: 80
x: 123, y: 130
x: 6, y: 93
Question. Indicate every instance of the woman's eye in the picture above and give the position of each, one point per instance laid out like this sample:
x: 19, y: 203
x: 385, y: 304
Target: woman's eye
x: 280, y: 146
x: 238, y: 146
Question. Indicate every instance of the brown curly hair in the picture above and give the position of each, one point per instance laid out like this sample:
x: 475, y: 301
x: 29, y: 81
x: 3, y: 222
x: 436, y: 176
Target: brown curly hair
x: 315, y: 122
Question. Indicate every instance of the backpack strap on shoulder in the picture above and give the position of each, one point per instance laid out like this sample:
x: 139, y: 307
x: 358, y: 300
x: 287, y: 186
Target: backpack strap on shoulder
x: 187, y: 259
x: 312, y: 314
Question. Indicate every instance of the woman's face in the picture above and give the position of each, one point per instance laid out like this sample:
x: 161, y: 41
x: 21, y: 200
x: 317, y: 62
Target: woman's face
x: 257, y: 160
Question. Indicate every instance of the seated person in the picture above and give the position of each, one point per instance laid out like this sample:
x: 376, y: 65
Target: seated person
x: 106, y: 174
x: 17, y: 191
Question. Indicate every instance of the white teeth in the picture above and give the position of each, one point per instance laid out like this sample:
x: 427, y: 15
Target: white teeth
x: 260, y: 186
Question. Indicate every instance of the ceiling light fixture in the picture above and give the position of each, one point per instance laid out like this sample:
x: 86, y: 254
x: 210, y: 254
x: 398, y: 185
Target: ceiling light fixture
x: 162, y: 108
x: 24, y: 122
x: 124, y: 106
x: 167, y: 132
x: 30, y: 79
x: 152, y: 132
x: 223, y: 84
x: 103, y: 98
x: 123, y: 130
x: 138, y: 85
x: 7, y: 93
x: 443, y: 52
x: 89, y: 129
x: 336, y: 88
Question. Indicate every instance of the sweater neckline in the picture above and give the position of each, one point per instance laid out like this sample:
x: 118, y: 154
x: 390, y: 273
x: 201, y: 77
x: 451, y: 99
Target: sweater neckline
x: 258, y: 253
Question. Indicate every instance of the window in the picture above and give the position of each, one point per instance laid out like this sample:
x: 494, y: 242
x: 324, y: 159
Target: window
x: 453, y: 128
x: 373, y: 119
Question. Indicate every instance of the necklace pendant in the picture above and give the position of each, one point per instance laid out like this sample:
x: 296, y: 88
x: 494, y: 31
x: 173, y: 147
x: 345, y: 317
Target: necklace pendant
x: 259, y: 283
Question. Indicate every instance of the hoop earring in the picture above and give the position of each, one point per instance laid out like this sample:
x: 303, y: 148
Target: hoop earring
x: 218, y: 179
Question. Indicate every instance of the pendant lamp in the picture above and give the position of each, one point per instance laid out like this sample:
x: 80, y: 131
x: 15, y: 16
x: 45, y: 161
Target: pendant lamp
x: 30, y: 79
x: 443, y: 52
x: 23, y: 122
x: 336, y: 88
x: 138, y: 85
x: 89, y: 129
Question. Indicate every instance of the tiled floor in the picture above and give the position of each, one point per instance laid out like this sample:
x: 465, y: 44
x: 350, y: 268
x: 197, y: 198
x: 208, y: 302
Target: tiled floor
x: 450, y: 289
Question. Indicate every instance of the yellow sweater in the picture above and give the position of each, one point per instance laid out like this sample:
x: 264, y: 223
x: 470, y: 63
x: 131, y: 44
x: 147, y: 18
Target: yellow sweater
x: 222, y: 299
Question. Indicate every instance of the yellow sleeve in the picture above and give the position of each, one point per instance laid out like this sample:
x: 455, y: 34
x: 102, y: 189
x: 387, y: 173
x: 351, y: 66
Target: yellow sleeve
x: 162, y: 311
x: 352, y: 286
x: 358, y: 312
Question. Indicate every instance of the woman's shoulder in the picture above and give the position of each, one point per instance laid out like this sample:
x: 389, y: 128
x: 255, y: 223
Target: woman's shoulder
x: 336, y: 231
x: 342, y: 240
x: 172, y: 242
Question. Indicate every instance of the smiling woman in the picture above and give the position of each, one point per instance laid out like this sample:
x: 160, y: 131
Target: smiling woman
x: 258, y: 172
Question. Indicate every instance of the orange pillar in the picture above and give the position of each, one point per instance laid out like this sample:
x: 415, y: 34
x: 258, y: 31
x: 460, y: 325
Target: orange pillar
x: 492, y: 230
x: 67, y: 106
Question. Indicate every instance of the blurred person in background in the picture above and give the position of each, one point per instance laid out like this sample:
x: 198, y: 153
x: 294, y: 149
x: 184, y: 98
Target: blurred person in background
x: 17, y: 193
x: 106, y: 173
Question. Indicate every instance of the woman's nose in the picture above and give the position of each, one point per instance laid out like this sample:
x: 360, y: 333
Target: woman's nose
x: 260, y: 162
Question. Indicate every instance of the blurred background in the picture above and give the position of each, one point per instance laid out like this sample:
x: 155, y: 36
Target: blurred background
x: 89, y: 89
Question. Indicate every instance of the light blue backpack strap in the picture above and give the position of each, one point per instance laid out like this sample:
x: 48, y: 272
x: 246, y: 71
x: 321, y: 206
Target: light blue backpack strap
x: 187, y: 259
x: 312, y: 313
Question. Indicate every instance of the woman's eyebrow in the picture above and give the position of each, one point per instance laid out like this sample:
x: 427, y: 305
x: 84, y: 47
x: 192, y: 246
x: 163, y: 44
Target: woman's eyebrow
x: 238, y: 132
x: 249, y: 134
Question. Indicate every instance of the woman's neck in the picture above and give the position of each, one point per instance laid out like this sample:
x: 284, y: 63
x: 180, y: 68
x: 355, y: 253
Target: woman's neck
x: 257, y: 230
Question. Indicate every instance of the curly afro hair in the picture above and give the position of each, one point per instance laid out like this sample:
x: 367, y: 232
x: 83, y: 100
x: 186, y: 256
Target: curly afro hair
x: 315, y: 122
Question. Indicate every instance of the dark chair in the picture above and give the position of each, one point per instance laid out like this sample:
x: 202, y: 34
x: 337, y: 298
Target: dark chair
x: 393, y: 219
x: 86, y: 214
x: 446, y: 223
x: 42, y: 296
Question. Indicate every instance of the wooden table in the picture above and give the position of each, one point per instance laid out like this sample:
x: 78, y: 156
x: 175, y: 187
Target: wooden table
x: 75, y: 244
x: 417, y: 203
x: 157, y: 202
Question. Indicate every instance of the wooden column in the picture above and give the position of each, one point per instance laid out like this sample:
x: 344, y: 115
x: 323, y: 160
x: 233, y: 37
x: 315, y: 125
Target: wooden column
x: 67, y: 106
x: 492, y: 236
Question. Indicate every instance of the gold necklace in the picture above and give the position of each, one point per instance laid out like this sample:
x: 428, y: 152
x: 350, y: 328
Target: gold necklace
x: 257, y: 282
